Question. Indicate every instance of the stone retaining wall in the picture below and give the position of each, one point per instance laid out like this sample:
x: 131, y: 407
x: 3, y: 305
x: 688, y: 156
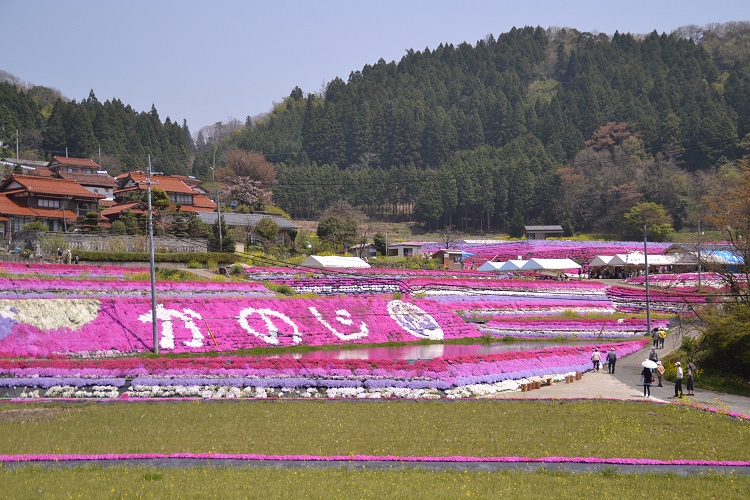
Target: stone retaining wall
x: 45, y: 243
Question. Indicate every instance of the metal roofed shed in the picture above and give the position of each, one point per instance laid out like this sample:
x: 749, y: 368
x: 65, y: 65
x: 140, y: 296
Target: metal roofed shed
x: 334, y: 262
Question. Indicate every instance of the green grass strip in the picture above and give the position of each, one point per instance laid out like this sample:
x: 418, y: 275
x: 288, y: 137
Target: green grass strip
x: 271, y: 483
x: 602, y: 429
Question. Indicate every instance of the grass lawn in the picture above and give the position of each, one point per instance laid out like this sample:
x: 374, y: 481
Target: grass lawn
x: 219, y: 482
x: 402, y: 428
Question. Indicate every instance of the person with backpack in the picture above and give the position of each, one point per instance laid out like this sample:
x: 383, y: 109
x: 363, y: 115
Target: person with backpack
x: 648, y: 379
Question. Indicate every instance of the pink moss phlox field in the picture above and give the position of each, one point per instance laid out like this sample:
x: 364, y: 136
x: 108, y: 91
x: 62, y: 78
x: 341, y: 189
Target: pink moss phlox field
x: 368, y: 458
x: 223, y: 324
x: 72, y: 271
x: 38, y: 287
x: 520, y: 327
x: 453, y: 371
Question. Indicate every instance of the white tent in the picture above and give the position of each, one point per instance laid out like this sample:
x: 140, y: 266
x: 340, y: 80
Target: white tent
x: 333, y: 261
x: 512, y: 265
x: 550, y: 265
x: 490, y: 266
x: 638, y: 259
x: 601, y: 260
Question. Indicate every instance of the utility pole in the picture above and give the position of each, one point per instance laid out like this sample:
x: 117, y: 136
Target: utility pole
x: 699, y: 255
x: 218, y: 202
x: 151, y: 259
x: 645, y: 262
x: 16, y: 144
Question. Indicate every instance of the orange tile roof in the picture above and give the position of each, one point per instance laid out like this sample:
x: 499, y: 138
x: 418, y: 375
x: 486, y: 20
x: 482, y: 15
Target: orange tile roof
x: 8, y: 207
x: 166, y: 182
x: 90, y: 179
x: 41, y: 172
x: 203, y: 201
x: 51, y: 186
x: 74, y: 162
x: 192, y: 208
x: 121, y: 207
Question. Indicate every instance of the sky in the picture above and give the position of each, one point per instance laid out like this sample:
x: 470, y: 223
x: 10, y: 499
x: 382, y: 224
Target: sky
x: 210, y: 61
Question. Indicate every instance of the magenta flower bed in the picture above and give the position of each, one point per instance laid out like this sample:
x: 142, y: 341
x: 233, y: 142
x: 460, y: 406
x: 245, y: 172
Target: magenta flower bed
x: 37, y: 287
x: 564, y: 327
x: 62, y: 270
x: 439, y: 373
x: 44, y: 327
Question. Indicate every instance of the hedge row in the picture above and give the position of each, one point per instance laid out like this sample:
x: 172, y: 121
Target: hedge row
x: 183, y: 257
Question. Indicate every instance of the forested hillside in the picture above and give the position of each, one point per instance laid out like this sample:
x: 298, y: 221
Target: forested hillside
x: 531, y: 126
x: 111, y: 133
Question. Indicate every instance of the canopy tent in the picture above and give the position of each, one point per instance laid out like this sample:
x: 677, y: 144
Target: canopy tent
x: 550, y: 265
x: 512, y: 265
x: 636, y: 259
x: 601, y: 260
x: 465, y: 254
x: 490, y: 266
x: 334, y: 261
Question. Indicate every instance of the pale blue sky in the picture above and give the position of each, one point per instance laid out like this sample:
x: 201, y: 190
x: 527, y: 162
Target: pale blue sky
x: 208, y: 61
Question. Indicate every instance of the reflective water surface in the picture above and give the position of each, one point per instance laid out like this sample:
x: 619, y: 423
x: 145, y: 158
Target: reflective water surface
x: 414, y: 352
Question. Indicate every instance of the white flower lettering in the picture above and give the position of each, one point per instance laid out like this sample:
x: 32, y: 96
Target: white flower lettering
x: 167, y: 331
x: 272, y: 337
x: 345, y: 318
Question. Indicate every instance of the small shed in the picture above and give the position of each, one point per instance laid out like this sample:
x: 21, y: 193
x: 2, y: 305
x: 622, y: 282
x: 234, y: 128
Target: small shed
x: 334, y: 262
x: 405, y: 249
x: 451, y: 259
x: 542, y: 232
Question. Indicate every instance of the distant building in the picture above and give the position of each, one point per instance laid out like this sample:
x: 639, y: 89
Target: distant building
x: 56, y: 202
x: 405, y: 249
x: 542, y: 232
x: 85, y: 172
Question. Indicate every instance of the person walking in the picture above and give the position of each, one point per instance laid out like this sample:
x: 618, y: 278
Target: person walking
x: 596, y: 358
x: 662, y: 336
x: 648, y: 379
x: 690, y: 379
x: 653, y: 356
x: 611, y: 360
x: 655, y: 337
x: 678, y: 383
x: 660, y: 372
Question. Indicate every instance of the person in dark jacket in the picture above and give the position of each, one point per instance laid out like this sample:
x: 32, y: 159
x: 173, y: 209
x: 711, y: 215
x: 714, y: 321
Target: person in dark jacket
x: 611, y: 360
x: 648, y: 378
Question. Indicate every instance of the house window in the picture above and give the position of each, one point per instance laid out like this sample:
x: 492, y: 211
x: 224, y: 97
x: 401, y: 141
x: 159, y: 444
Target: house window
x: 96, y: 191
x: 45, y: 203
x: 181, y: 199
x: 88, y: 171
x: 72, y: 170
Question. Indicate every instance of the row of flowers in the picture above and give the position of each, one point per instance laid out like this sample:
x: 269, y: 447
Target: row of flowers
x: 44, y: 327
x: 565, y: 327
x: 462, y: 376
x: 36, y: 287
x: 42, y: 269
x: 628, y: 298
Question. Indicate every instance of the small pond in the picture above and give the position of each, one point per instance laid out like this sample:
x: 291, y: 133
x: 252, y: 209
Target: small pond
x: 414, y: 352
